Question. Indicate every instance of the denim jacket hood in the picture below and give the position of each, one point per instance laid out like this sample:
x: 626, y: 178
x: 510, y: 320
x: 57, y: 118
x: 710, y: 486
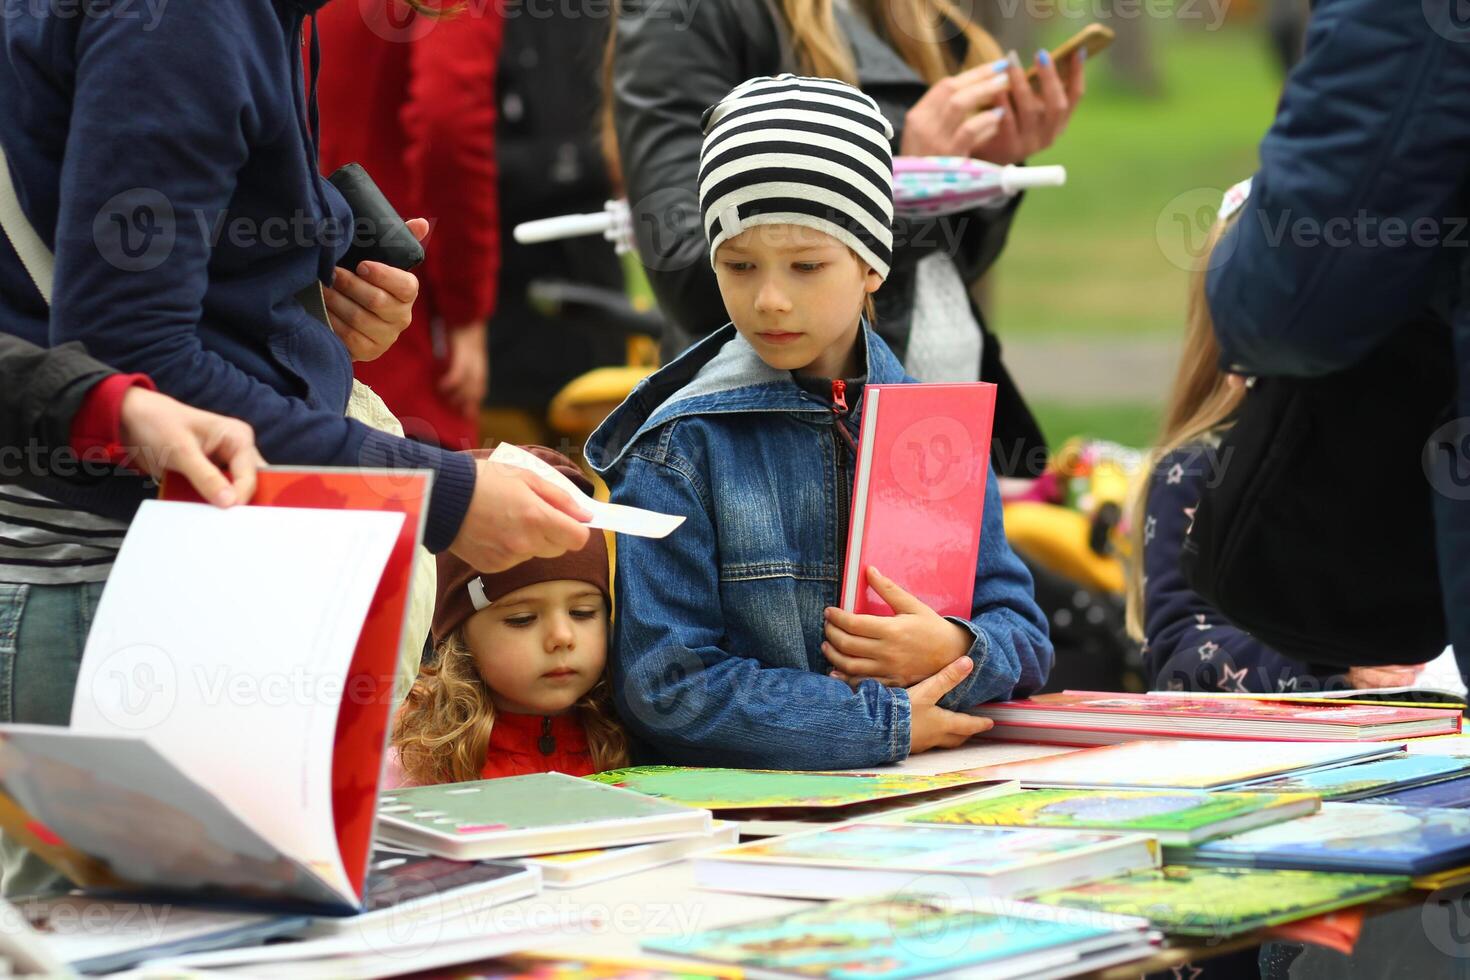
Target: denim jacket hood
x: 717, y: 641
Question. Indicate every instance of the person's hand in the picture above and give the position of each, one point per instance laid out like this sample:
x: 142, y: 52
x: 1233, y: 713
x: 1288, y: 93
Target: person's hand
x: 169, y: 435
x: 368, y: 308
x: 931, y: 726
x: 466, y: 377
x: 1394, y: 675
x: 515, y: 515
x: 958, y: 114
x: 898, y: 650
x: 1035, y: 120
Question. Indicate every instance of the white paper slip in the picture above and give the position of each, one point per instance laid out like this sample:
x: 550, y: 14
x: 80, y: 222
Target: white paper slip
x: 612, y: 517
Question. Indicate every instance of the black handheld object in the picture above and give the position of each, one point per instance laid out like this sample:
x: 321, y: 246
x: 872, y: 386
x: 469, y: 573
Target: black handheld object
x: 379, y: 234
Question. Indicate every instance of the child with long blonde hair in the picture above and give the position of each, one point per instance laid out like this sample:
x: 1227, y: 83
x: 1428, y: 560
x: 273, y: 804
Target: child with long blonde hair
x: 519, y: 682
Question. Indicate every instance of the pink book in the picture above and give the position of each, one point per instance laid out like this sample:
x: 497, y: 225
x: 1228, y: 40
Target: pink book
x: 919, y: 494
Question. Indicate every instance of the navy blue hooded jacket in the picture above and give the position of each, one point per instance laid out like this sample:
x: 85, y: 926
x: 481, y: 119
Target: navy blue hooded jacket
x: 162, y: 151
x: 1358, y: 217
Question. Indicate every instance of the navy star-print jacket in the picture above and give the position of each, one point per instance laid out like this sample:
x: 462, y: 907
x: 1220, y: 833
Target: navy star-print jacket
x: 1189, y: 645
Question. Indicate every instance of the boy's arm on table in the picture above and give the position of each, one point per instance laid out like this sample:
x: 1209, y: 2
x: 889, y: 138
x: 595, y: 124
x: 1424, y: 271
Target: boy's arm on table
x: 1359, y: 197
x: 1012, y: 650
x: 146, y: 319
x: 1190, y: 646
x: 696, y: 702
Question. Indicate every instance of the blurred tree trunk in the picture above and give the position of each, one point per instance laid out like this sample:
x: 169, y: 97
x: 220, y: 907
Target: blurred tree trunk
x: 1131, y: 58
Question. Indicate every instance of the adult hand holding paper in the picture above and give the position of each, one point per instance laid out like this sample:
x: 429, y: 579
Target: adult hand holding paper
x: 612, y: 517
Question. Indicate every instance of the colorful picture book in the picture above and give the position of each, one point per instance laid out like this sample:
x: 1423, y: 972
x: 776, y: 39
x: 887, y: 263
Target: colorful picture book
x: 1360, y: 837
x: 1222, y: 902
x: 914, y: 935
x: 1184, y: 764
x: 918, y: 495
x: 766, y: 803
x: 1451, y: 794
x: 1173, y: 817
x: 873, y: 858
x: 1367, y: 779
x: 130, y: 798
x: 521, y: 816
x: 1101, y: 718
x: 575, y: 868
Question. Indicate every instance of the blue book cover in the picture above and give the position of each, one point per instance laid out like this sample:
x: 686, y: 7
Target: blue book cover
x: 885, y: 938
x: 1450, y: 794
x: 1366, y: 778
x: 1358, y: 837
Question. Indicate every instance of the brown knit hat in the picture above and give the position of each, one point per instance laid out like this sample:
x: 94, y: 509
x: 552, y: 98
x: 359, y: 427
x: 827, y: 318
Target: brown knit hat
x: 460, y: 585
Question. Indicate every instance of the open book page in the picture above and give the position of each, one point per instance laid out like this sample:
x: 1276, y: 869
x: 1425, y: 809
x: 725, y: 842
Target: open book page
x: 223, y: 638
x: 128, y: 819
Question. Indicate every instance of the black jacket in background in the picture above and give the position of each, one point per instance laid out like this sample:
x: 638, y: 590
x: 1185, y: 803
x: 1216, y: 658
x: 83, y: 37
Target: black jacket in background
x: 675, y: 59
x: 549, y: 153
x: 41, y: 391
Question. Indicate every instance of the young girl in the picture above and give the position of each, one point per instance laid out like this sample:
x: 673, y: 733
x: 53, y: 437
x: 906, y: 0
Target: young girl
x: 518, y: 684
x: 1188, y: 644
x: 727, y: 648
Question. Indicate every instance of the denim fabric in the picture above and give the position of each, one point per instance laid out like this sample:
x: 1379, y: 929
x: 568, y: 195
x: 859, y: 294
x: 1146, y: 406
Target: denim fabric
x: 717, y: 654
x: 43, y: 630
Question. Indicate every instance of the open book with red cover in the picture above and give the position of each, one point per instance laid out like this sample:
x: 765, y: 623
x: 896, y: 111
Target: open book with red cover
x: 231, y: 714
x: 918, y: 495
x: 1103, y: 718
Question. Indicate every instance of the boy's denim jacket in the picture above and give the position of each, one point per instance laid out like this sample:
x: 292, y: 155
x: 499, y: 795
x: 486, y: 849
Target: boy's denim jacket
x: 717, y: 637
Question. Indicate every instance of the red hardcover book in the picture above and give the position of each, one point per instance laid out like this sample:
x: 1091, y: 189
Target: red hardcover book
x: 1102, y: 718
x: 919, y: 494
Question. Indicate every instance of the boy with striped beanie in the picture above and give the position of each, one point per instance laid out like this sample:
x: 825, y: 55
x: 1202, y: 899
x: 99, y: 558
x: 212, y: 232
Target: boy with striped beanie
x: 729, y: 648
x: 796, y: 194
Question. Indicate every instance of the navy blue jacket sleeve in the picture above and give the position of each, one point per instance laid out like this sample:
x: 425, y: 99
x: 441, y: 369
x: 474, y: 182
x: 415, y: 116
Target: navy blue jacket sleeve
x: 168, y: 111
x: 1359, y: 206
x: 1189, y: 645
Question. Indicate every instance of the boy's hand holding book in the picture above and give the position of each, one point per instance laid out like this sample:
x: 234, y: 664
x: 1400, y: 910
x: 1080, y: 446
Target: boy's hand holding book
x: 933, y: 727
x: 897, y: 651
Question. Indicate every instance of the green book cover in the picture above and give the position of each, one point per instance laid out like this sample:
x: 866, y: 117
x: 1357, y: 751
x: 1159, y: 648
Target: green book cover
x: 1142, y: 811
x: 761, y: 789
x: 539, y: 801
x: 1221, y: 902
x: 1367, y: 778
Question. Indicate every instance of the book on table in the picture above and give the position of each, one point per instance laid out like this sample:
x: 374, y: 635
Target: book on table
x: 1360, y: 837
x: 1184, y: 764
x: 1104, y: 718
x: 1218, y: 903
x: 525, y: 816
x: 915, y: 934
x: 874, y: 858
x: 66, y: 935
x: 407, y: 892
x: 224, y: 638
x: 766, y: 802
x: 1173, y: 817
x: 1450, y: 794
x: 1347, y: 783
x: 572, y: 869
x: 918, y: 495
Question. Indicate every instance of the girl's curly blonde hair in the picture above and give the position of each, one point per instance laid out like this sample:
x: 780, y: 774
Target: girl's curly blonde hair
x: 443, y: 732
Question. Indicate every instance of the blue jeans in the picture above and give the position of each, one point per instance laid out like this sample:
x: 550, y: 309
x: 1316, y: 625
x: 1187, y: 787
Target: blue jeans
x: 43, y: 629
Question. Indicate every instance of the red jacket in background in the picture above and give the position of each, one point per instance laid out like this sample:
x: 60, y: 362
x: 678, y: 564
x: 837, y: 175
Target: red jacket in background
x: 412, y: 99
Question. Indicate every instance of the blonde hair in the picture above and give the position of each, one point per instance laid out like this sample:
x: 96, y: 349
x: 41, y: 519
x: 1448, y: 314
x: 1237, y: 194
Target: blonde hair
x: 917, y: 29
x: 1200, y: 401
x: 443, y: 732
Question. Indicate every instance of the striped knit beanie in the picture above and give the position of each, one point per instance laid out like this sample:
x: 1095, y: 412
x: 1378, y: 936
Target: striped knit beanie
x: 799, y: 151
